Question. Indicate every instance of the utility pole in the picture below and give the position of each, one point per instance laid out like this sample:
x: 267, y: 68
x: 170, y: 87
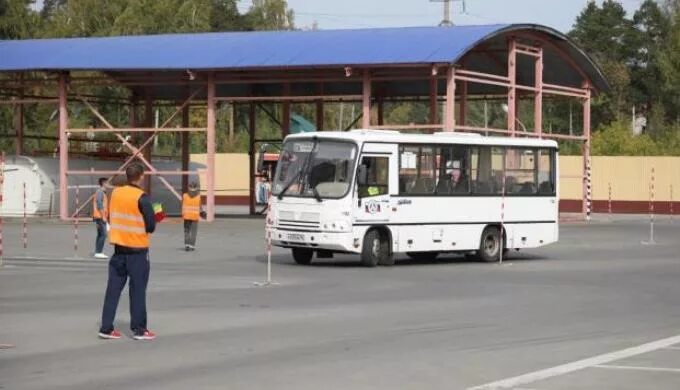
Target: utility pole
x: 446, y: 19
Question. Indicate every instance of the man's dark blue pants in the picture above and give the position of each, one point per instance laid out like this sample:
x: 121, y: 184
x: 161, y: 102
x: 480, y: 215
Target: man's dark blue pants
x: 121, y: 267
x: 101, y: 235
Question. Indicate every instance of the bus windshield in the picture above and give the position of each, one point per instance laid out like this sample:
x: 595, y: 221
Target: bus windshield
x: 315, y: 168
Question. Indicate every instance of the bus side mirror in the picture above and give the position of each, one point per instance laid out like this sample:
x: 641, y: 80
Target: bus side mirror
x: 362, y: 175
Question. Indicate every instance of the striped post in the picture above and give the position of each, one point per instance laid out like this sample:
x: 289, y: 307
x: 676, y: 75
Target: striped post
x: 671, y: 204
x: 609, y: 201
x: 500, y: 254
x: 589, y: 190
x: 25, y: 221
x: 2, y: 190
x: 75, y: 223
x: 651, y: 209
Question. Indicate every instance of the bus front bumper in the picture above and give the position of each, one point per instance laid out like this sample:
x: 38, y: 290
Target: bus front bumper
x: 332, y: 241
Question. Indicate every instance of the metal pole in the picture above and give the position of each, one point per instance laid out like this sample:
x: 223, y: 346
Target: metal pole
x: 185, y: 148
x: 24, y: 229
x: 538, y: 97
x: 434, y: 104
x: 210, y: 153
x: 2, y: 190
x: 19, y: 119
x: 251, y: 154
x: 366, y: 100
x: 462, y: 115
x: 586, y: 148
x: 450, y: 104
x: 512, y: 90
x: 63, y: 147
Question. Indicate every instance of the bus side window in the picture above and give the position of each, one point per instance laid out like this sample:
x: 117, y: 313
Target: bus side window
x: 546, y: 176
x: 378, y: 177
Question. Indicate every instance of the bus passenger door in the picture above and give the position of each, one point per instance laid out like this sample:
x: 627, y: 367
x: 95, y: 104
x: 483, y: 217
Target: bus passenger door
x: 372, y: 205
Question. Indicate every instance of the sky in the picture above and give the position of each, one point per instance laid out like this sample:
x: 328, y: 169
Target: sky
x: 341, y: 14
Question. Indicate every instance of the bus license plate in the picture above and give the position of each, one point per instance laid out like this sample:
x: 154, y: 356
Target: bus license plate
x: 295, y: 237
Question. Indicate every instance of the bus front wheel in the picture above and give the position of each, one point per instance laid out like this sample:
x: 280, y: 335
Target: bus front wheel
x: 490, y: 245
x: 302, y: 256
x: 376, y: 249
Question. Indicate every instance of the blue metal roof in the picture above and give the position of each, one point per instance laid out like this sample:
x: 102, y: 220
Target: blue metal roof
x: 286, y: 49
x: 245, y: 49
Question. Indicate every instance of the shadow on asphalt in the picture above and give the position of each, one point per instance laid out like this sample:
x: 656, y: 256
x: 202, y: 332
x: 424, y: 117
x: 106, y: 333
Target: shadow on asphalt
x: 349, y: 261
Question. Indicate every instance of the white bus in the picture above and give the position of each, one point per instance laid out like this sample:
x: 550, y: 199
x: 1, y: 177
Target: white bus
x: 377, y: 193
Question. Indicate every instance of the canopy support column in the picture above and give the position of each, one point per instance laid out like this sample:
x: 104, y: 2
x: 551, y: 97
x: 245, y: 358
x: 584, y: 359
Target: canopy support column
x: 366, y: 100
x: 285, y: 122
x: 63, y: 146
x: 538, y: 97
x: 463, y: 103
x: 434, y: 104
x: 319, y: 109
x: 512, y: 89
x: 210, y: 153
x: 148, y: 122
x: 19, y: 118
x: 450, y: 104
x: 185, y: 148
x: 251, y: 152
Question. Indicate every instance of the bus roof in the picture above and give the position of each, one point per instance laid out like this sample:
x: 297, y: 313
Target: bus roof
x: 390, y: 136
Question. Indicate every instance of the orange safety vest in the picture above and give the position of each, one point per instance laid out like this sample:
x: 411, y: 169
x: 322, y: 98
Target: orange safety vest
x: 191, y: 207
x: 126, y: 221
x: 104, y: 212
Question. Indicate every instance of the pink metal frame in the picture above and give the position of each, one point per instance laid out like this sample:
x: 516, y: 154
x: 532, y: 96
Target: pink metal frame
x: 457, y: 81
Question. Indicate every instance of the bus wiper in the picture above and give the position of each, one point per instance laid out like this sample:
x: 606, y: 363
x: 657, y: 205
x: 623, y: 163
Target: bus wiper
x: 317, y: 196
x: 290, y: 183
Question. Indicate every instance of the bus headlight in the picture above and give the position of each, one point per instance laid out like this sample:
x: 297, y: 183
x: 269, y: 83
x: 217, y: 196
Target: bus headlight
x: 336, y: 226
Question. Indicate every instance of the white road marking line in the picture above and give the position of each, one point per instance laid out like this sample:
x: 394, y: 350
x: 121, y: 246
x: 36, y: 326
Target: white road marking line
x: 673, y: 348
x: 660, y: 369
x: 536, y: 376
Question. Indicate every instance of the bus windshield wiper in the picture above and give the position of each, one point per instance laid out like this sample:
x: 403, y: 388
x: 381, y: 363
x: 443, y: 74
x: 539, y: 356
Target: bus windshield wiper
x: 290, y: 183
x: 298, y: 176
x: 317, y: 196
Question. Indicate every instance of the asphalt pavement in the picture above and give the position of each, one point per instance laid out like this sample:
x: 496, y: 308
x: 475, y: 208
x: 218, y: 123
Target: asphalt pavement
x: 598, y: 310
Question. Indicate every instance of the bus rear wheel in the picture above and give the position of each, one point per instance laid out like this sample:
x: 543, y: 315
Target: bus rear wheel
x: 490, y: 245
x: 376, y: 249
x: 302, y: 256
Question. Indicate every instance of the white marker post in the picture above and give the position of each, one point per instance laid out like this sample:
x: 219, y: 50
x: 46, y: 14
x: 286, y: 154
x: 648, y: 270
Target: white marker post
x: 651, y: 212
x: 269, y: 222
x: 75, y: 225
x: 25, y: 221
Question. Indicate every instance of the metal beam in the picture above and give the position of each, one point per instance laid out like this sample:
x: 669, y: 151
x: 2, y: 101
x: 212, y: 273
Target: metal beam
x: 538, y: 96
x: 512, y: 90
x: 210, y: 152
x: 450, y: 104
x: 366, y: 99
x: 63, y: 146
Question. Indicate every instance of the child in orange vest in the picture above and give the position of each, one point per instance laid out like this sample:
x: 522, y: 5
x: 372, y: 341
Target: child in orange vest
x: 191, y: 214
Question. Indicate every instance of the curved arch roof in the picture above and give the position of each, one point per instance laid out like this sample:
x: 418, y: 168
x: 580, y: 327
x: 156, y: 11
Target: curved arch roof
x: 280, y: 49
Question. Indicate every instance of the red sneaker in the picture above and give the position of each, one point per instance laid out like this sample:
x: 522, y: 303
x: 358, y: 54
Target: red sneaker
x: 147, y: 335
x: 112, y: 335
